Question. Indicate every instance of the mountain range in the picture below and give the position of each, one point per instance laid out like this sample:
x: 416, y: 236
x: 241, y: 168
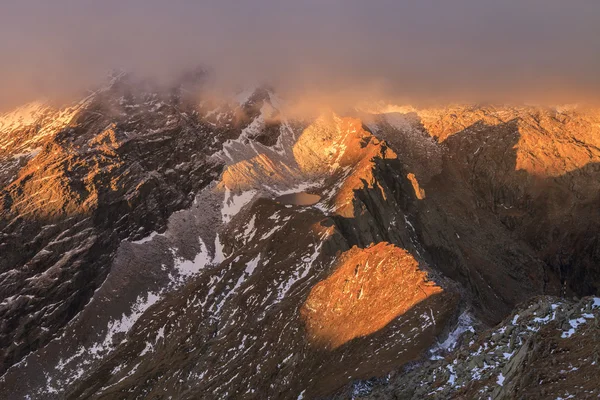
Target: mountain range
x: 157, y: 243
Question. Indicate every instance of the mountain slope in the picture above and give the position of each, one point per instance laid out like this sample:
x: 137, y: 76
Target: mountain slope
x: 126, y: 158
x: 545, y: 349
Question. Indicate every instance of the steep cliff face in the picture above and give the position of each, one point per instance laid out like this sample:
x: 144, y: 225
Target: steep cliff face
x: 415, y: 216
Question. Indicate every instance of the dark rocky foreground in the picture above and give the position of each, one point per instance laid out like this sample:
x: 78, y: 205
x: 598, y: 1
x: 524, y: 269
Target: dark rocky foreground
x: 546, y: 349
x: 144, y: 253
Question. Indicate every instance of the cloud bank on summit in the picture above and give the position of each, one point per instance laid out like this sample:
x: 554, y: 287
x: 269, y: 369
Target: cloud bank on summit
x: 332, y: 50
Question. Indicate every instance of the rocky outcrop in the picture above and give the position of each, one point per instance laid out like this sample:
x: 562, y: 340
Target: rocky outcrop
x: 368, y: 289
x: 545, y: 349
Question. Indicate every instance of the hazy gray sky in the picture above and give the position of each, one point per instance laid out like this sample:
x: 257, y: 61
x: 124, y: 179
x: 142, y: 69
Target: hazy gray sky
x: 413, y: 49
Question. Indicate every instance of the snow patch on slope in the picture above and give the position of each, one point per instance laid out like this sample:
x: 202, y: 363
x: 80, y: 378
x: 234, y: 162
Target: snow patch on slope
x: 232, y: 203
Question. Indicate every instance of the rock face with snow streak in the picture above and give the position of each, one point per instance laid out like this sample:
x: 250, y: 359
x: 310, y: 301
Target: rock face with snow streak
x: 421, y: 215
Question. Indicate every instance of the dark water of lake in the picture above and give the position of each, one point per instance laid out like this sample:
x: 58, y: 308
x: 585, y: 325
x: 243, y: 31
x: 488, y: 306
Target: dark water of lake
x: 298, y: 199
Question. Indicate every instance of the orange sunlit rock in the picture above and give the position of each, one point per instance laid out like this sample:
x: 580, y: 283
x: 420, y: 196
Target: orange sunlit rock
x: 553, y: 153
x: 328, y: 146
x: 361, y: 176
x: 552, y: 141
x: 369, y: 288
x: 328, y: 143
x: 256, y: 172
x: 346, y: 145
x: 419, y: 192
x: 44, y: 188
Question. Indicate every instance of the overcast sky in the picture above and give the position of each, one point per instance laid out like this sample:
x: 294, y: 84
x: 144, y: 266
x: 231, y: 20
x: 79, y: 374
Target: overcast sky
x: 412, y: 49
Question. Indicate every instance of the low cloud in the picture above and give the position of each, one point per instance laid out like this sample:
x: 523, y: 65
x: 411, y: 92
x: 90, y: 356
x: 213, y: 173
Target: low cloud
x: 339, y: 51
